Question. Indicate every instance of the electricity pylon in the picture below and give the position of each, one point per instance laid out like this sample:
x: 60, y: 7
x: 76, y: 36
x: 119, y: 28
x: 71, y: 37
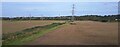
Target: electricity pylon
x: 30, y: 16
x: 73, y: 11
x: 42, y: 17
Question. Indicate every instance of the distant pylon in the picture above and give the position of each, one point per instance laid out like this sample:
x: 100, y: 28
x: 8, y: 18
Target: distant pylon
x: 60, y: 16
x: 30, y: 16
x: 73, y: 12
x: 42, y: 17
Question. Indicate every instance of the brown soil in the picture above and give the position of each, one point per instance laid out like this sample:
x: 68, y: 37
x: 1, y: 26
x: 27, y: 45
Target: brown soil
x: 83, y: 33
x: 14, y: 26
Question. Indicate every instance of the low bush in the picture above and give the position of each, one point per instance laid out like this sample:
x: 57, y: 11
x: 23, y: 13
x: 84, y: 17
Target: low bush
x: 104, y: 20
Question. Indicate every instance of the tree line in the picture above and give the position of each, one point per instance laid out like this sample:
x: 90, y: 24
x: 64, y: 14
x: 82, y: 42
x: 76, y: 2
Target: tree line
x: 105, y: 18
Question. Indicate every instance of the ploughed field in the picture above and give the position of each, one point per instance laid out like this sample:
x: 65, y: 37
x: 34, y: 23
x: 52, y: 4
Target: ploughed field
x: 82, y: 33
x: 14, y: 26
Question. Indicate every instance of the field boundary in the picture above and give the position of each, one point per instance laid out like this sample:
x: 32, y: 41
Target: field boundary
x: 40, y: 31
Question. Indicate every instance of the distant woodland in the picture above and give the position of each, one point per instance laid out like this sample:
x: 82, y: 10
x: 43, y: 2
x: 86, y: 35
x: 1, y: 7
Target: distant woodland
x: 105, y: 18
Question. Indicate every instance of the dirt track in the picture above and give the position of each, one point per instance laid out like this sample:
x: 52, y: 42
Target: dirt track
x: 83, y: 33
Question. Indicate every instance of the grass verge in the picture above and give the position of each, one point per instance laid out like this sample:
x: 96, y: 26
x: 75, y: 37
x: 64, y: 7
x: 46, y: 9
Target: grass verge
x: 27, y: 35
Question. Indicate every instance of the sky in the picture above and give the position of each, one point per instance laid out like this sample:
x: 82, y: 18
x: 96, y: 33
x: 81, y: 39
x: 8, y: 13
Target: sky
x: 59, y: 0
x: 38, y: 9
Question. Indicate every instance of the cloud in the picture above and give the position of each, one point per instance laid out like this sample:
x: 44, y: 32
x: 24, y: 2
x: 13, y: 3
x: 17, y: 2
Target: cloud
x: 59, y: 0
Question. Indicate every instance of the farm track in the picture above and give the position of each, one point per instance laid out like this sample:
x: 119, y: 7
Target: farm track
x: 83, y: 33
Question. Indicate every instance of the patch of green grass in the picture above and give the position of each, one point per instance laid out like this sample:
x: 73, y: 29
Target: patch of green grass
x: 27, y: 35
